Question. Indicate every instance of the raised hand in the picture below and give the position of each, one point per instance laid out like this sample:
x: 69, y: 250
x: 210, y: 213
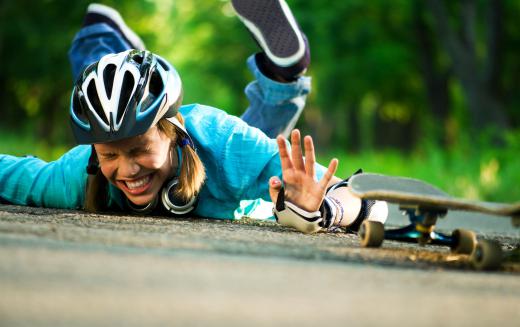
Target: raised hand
x: 299, y: 175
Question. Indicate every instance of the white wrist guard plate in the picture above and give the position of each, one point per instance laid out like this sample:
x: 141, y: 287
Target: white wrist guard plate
x: 288, y: 214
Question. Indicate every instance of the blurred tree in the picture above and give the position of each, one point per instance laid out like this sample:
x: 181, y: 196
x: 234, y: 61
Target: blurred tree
x: 35, y: 76
x: 385, y: 73
x: 478, y: 70
x: 436, y: 76
x: 367, y: 85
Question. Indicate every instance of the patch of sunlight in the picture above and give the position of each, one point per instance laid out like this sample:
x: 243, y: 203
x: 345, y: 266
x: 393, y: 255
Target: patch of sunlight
x: 29, y: 97
x: 368, y: 103
x: 466, y: 188
x: 204, y: 31
x: 185, y: 9
x: 32, y: 105
x: 393, y: 111
x: 227, y: 9
x: 416, y: 82
x: 489, y: 173
x: 451, y: 130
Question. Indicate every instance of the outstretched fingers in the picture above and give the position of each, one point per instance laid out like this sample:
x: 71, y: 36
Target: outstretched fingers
x: 327, y: 177
x: 310, y: 158
x: 296, y: 150
x: 284, y: 154
x: 293, y: 164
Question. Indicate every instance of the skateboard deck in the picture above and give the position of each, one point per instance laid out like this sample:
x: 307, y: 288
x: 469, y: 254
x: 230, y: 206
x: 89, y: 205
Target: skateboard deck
x: 413, y: 192
x: 423, y: 204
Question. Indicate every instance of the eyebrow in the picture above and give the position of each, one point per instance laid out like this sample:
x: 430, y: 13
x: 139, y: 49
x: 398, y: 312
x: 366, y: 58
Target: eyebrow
x: 138, y: 148
x: 132, y: 149
x: 106, y: 153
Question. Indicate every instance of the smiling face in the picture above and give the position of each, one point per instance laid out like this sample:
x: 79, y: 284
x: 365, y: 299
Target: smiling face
x: 139, y: 165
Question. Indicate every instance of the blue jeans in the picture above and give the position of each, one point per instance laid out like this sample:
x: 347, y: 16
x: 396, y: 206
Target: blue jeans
x: 274, y: 107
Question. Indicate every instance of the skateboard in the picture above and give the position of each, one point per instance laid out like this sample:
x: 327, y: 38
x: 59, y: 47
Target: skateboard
x: 424, y: 204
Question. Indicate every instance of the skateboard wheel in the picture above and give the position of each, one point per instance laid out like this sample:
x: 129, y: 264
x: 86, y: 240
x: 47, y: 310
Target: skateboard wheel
x: 371, y: 234
x: 464, y: 241
x: 487, y: 255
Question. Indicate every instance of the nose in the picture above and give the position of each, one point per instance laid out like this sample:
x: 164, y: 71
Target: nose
x: 128, y: 168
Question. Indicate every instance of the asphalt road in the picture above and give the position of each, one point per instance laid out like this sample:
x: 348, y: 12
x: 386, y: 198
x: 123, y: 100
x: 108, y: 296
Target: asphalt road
x: 68, y: 268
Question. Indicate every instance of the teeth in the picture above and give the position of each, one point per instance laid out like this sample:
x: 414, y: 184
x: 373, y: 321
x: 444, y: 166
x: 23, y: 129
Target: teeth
x: 138, y: 183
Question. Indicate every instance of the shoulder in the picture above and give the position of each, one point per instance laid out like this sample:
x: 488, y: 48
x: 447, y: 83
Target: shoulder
x: 78, y: 152
x: 198, y: 115
x: 209, y: 126
x: 76, y: 159
x: 227, y: 145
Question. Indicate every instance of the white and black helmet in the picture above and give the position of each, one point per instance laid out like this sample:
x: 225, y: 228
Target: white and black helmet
x: 123, y: 95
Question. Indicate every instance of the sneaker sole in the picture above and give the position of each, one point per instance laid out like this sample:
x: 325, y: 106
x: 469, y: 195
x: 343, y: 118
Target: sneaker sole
x: 272, y: 24
x: 134, y: 40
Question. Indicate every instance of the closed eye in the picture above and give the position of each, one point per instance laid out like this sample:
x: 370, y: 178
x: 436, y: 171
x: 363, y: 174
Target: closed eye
x: 107, y: 156
x: 140, y: 151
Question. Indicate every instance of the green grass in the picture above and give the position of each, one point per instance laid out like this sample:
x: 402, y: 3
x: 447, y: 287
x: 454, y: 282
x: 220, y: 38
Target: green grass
x: 479, y: 173
x: 474, y: 171
x: 21, y: 145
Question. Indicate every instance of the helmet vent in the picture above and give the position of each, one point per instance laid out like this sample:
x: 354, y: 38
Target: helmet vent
x: 126, y: 91
x: 78, y: 108
x: 156, y: 84
x: 138, y: 58
x: 163, y: 65
x: 108, y: 78
x: 94, y: 101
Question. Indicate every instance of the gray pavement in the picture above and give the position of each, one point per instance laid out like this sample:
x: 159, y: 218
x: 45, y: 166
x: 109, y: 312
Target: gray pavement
x: 68, y: 268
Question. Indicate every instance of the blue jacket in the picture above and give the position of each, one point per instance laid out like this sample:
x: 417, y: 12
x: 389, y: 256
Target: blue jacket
x: 239, y: 160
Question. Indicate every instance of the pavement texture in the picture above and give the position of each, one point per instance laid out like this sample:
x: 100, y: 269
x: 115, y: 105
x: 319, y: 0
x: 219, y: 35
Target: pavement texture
x: 70, y: 268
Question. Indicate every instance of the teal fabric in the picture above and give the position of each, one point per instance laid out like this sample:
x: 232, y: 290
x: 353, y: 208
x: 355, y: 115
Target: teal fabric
x: 58, y: 184
x: 239, y: 160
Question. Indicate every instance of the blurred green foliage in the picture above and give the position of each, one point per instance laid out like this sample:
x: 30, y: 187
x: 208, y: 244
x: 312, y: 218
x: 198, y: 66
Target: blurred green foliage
x: 421, y: 88
x: 474, y: 170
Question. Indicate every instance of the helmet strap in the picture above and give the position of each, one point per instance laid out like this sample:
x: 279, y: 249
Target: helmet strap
x: 93, y: 162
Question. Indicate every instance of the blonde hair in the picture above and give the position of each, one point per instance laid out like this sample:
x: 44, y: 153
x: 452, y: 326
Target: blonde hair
x: 191, y: 179
x: 96, y: 195
x: 192, y: 173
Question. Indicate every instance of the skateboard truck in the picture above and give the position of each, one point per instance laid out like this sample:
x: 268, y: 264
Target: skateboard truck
x: 484, y: 254
x: 421, y: 227
x: 423, y: 203
x: 420, y: 230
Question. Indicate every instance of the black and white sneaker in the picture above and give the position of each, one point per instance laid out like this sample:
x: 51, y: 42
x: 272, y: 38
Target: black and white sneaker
x: 98, y: 13
x: 275, y: 29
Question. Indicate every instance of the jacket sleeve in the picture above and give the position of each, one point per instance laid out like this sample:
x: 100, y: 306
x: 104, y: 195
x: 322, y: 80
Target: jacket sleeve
x: 34, y: 182
x: 239, y: 159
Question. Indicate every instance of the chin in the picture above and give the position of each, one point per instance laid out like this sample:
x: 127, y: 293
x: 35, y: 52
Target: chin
x: 140, y: 200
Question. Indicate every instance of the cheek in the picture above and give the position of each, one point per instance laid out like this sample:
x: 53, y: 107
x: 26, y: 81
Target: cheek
x: 107, y: 170
x: 161, y: 158
x: 156, y: 161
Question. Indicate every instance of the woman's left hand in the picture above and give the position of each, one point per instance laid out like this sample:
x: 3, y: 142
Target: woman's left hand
x: 299, y: 175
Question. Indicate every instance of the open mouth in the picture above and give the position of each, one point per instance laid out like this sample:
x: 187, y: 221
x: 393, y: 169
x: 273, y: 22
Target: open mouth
x: 138, y: 185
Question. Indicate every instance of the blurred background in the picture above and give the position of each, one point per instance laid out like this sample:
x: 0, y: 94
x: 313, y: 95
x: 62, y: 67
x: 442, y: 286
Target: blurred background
x: 419, y: 88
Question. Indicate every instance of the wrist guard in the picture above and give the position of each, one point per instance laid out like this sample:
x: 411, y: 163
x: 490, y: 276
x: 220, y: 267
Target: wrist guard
x: 330, y: 213
x: 288, y: 214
